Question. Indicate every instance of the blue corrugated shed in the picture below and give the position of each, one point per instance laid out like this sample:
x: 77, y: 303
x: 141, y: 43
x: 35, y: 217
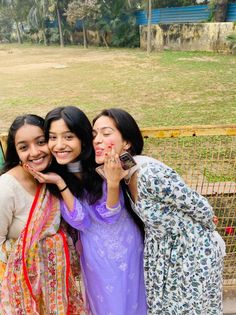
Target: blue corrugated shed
x: 190, y: 14
x: 231, y: 12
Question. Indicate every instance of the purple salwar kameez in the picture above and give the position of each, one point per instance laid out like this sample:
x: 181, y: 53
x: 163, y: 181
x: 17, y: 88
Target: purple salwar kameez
x: 111, y: 257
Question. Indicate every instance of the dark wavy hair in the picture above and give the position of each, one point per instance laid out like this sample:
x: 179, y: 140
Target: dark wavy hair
x: 89, y: 185
x: 11, y: 157
x: 131, y: 133
x: 127, y: 126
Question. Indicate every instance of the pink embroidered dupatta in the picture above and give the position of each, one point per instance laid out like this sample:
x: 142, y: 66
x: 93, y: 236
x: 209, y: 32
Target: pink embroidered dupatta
x: 42, y: 271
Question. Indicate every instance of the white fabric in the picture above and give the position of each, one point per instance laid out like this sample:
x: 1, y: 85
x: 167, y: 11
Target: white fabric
x: 221, y: 242
x: 15, y: 204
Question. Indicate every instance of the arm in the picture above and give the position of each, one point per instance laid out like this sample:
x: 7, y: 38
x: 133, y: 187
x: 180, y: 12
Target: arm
x: 114, y: 173
x: 108, y: 214
x: 53, y: 178
x: 6, y: 215
x: 166, y: 187
x: 7, y: 206
x: 77, y: 217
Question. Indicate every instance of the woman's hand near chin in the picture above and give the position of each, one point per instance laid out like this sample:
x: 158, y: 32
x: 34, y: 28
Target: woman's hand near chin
x: 47, y: 178
x: 113, y: 170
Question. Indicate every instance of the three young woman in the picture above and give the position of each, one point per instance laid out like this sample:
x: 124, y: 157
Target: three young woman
x: 38, y: 265
x: 182, y: 256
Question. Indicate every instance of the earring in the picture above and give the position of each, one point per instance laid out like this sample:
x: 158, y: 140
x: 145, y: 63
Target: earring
x: 20, y: 163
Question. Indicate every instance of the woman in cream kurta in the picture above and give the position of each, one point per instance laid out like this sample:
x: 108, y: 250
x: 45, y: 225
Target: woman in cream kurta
x: 15, y: 203
x: 38, y: 265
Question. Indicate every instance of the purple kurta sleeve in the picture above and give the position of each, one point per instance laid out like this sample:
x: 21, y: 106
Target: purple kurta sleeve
x: 107, y: 214
x: 78, y: 217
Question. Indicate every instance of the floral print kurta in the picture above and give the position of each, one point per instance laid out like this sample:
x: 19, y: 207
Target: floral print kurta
x: 182, y: 259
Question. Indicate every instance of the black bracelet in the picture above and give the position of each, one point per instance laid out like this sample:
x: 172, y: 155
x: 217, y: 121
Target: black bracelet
x: 63, y: 188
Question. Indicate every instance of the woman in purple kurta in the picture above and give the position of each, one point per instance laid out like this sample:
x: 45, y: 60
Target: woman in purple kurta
x: 111, y: 257
x: 112, y: 242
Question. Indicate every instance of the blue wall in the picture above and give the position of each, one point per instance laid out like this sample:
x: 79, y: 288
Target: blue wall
x: 191, y: 14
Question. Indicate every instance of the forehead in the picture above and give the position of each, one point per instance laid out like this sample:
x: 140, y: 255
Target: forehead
x: 58, y: 126
x: 28, y: 133
x: 104, y: 122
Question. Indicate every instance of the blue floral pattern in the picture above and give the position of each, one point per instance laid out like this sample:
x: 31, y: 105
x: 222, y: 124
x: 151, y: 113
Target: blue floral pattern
x: 182, y: 260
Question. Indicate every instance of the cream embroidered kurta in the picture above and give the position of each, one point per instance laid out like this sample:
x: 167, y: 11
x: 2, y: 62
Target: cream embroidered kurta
x: 15, y: 204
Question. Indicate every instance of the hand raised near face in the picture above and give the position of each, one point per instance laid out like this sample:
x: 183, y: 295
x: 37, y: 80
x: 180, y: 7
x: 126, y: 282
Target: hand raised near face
x: 112, y: 166
x: 47, y: 178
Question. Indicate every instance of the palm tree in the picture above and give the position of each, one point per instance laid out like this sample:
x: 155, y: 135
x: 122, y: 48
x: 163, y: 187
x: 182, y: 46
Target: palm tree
x: 16, y: 11
x: 37, y: 17
x: 58, y: 8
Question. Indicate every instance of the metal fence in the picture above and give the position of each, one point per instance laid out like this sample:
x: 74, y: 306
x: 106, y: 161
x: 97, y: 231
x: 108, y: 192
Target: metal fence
x: 205, y: 156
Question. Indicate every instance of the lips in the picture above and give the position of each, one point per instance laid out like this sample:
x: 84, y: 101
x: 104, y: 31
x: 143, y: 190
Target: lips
x: 98, y: 151
x: 61, y: 155
x: 38, y: 161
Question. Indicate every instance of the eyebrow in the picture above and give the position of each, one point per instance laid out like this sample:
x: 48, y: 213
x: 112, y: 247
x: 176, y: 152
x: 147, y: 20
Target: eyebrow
x: 106, y: 127
x: 23, y: 142
x: 68, y: 131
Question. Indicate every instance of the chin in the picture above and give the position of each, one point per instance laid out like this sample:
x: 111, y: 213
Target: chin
x: 99, y: 160
x: 63, y: 162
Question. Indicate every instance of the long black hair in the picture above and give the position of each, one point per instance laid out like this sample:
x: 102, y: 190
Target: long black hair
x: 11, y: 157
x: 89, y: 185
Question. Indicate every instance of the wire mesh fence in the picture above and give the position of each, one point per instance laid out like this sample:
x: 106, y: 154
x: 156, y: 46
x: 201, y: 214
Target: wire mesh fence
x: 205, y: 156
x: 206, y: 159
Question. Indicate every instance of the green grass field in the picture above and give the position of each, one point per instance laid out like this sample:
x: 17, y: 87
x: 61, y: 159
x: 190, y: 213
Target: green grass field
x: 162, y: 89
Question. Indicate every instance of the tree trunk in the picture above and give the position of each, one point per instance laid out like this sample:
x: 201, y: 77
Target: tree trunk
x: 84, y: 35
x: 19, y: 39
x: 60, y: 28
x: 220, y: 10
x: 149, y: 40
x: 104, y: 40
x: 44, y: 38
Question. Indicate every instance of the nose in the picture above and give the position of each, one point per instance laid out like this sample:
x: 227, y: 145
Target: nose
x: 34, y: 150
x: 97, y: 138
x: 59, y: 143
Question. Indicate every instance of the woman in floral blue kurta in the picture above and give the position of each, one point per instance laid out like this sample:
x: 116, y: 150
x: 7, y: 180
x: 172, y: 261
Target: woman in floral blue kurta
x: 182, y: 260
x: 183, y: 253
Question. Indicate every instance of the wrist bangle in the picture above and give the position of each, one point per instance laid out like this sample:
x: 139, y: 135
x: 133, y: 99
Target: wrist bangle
x: 61, y: 190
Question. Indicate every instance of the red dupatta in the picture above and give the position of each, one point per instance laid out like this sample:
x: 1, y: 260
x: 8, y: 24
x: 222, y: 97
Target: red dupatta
x: 42, y: 269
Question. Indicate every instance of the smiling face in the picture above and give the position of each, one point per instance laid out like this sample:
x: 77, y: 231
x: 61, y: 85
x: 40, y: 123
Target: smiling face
x: 64, y: 144
x: 105, y: 133
x: 32, y: 147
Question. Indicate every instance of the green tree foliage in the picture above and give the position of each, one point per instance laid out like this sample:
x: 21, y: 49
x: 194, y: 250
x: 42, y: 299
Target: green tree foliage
x: 56, y: 10
x: 83, y: 10
x: 118, y: 20
x: 16, y: 12
x: 37, y: 16
x: 172, y: 3
x: 6, y: 27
